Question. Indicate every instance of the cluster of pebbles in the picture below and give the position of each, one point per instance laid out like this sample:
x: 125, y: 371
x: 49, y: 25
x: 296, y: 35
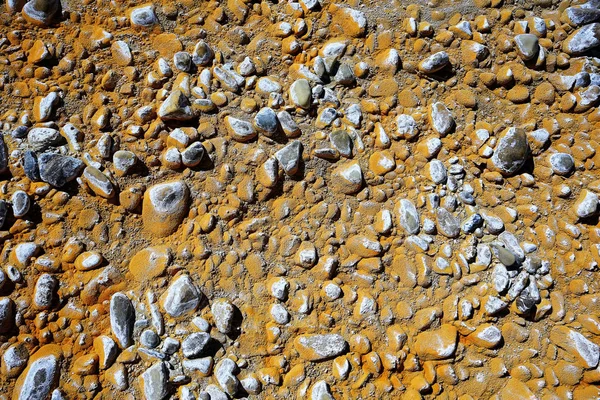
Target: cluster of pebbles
x: 300, y: 199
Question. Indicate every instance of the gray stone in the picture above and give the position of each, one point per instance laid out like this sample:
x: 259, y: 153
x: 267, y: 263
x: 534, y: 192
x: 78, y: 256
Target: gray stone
x: 41, y: 12
x: 20, y: 203
x: 124, y: 161
x: 434, y: 63
x: 290, y: 157
x: 225, y: 372
x: 472, y: 222
x: 579, y: 16
x: 266, y: 121
x: 14, y: 360
x: 194, y: 345
x: 57, y: 169
x: 408, y: 216
x: 406, y: 126
x: 583, y: 39
x: 44, y: 291
x: 176, y: 107
x: 353, y: 115
x: 193, y: 155
x: 143, y: 16
x: 587, y: 204
x: 321, y: 391
x: 154, y: 382
x: 342, y: 142
x: 182, y: 297
x: 182, y: 61
x: 98, y: 182
x: 494, y: 305
x: 504, y: 255
x: 317, y: 347
x: 41, y: 139
x: 511, y: 152
x: 500, y: 278
x: 240, y: 130
x: 288, y: 125
x: 527, y: 46
x: 344, y: 75
x: 223, y: 312
x: 7, y: 314
x: 122, y: 319
x: 512, y: 243
x: 203, y: 365
x: 149, y: 338
x: 42, y: 373
x: 437, y: 171
x: 447, y: 224
x: 226, y: 79
x: 561, y: 163
x: 202, y: 54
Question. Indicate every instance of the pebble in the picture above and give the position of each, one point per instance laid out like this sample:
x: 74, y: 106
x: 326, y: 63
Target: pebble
x: 527, y: 45
x: 512, y: 151
x: 41, y: 374
x: 181, y: 298
x: 441, y: 119
x: 348, y: 178
x: 240, y: 130
x: 318, y: 347
x: 290, y: 157
x: 586, y: 205
x: 194, y: 345
x: 21, y: 203
x: 266, y: 122
x: 143, y: 16
x: 41, y: 12
x: 408, y: 217
x: 176, y: 107
x: 122, y: 319
x: 561, y: 163
x: 439, y: 344
x: 41, y: 139
x: 434, y: 63
x: 300, y: 93
x: 577, y: 345
x: 154, y: 382
x: 223, y: 312
x: 58, y: 170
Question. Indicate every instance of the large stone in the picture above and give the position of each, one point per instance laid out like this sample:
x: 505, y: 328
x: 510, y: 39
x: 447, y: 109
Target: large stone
x: 122, y: 319
x: 40, y: 376
x: 98, y: 182
x: 437, y: 345
x: 319, y: 347
x: 583, y: 39
x: 193, y: 346
x: 41, y: 12
x: 41, y: 139
x: 408, y: 217
x: 515, y: 389
x: 176, y: 107
x: 182, y: 297
x: 577, y: 345
x: 347, y: 178
x: 289, y: 157
x: 164, y: 207
x: 511, y: 152
x: 223, y: 312
x: 154, y: 382
x: 527, y: 45
x: 434, y: 63
x: 441, y: 119
x: 58, y: 170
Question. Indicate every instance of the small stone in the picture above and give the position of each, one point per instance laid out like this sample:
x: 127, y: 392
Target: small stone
x: 20, y: 203
x: 14, y: 360
x: 321, y: 391
x: 193, y: 346
x: 122, y: 319
x: 344, y: 75
x: 586, y: 205
x: 154, y: 382
x: 300, y: 93
x: 364, y: 246
x: 583, y: 39
x: 88, y: 260
x: 57, y: 169
x: 165, y: 206
x: 44, y: 108
x: 437, y: 345
x: 406, y: 126
x: 347, y: 178
x: 121, y: 53
x: 434, y: 63
x: 107, y: 351
x: 351, y: 22
x: 203, y: 365
x: 223, y: 313
x: 319, y: 347
x: 441, y: 119
x: 202, y: 54
x: 182, y: 61
x: 225, y: 373
x: 41, y: 139
x: 437, y: 171
x: 41, y: 374
x: 124, y: 161
x: 342, y: 142
x: 512, y: 151
x: 149, y: 339
x: 290, y: 157
x: 487, y: 336
x: 143, y: 16
x: 181, y: 298
x: 7, y: 314
x: 266, y: 121
x: 447, y: 224
x: 288, y: 125
x: 30, y: 166
x: 408, y: 217
x: 192, y: 156
x: 515, y: 389
x: 98, y: 182
x: 44, y: 291
x: 561, y: 163
x: 527, y: 45
x: 240, y: 130
x: 176, y: 107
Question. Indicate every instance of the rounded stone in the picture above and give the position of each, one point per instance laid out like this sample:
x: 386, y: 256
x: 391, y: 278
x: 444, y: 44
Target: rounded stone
x: 164, y: 207
x: 511, y: 152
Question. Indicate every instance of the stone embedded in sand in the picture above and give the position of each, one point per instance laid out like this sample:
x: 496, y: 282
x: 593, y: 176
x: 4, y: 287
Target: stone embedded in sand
x: 202, y: 54
x: 182, y: 297
x: 223, y: 312
x: 57, y: 169
x: 350, y: 22
x: 437, y: 345
x: 121, y: 53
x: 266, y: 121
x: 512, y: 151
x: 143, y: 16
x: 342, y: 142
x: 515, y: 389
x: 40, y: 376
x: 107, y: 351
x: 165, y: 206
x: 583, y: 39
x: 45, y: 288
x: 20, y: 203
x: 364, y: 246
x: 41, y: 12
x: 447, y: 224
x: 44, y: 107
x: 319, y: 347
x: 577, y: 345
x: 300, y: 93
x: 347, y: 178
x: 14, y: 360
x: 98, y: 182
x: 240, y: 130
x: 486, y: 335
x: 561, y: 163
x: 289, y: 157
x: 122, y: 319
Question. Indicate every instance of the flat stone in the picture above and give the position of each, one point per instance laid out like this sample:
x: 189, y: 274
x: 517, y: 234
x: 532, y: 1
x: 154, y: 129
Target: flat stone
x: 577, y: 345
x: 40, y: 376
x: 447, y: 224
x: 527, y: 46
x: 143, y: 16
x: 290, y: 157
x: 41, y: 139
x: 486, y: 335
x: 240, y: 130
x: 98, y: 182
x: 437, y: 345
x: 319, y: 347
x: 583, y: 39
x: 122, y: 319
x: 364, y: 246
x: 266, y: 121
x: 342, y: 142
x: 300, y: 93
x: 561, y: 163
x: 164, y: 207
x: 512, y: 151
x: 20, y: 203
x: 58, y: 170
x: 154, y: 382
x: 181, y: 298
x: 150, y: 263
x: 434, y: 63
x: 408, y: 217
